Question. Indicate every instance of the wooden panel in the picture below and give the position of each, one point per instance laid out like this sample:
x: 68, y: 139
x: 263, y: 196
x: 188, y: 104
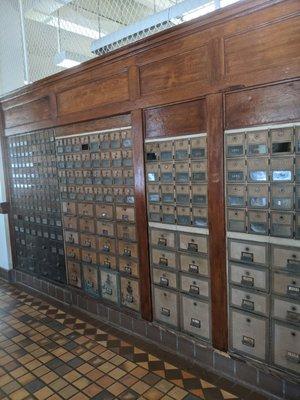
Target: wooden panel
x: 36, y: 110
x: 141, y: 213
x: 264, y: 48
x: 175, y: 71
x: 216, y: 221
x: 177, y: 119
x: 96, y: 125
x: 112, y: 89
x: 269, y: 104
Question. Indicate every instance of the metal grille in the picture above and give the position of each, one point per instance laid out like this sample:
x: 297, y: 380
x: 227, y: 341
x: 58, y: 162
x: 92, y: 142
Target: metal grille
x: 32, y: 32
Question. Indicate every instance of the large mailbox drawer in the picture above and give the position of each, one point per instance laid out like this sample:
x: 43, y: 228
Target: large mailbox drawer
x: 248, y: 334
x: 287, y: 310
x: 86, y: 209
x: 281, y: 224
x: 195, y: 317
x: 258, y: 222
x: 286, y: 347
x: 107, y: 245
x: 164, y: 258
x: 126, y: 231
x: 127, y: 249
x: 249, y: 301
x: 126, y: 214
x: 106, y: 228
x: 194, y: 286
x: 73, y: 253
x: 91, y: 280
x: 248, y: 252
x: 164, y: 278
x: 104, y: 211
x: 236, y: 220
x: 86, y: 225
x: 107, y: 261
x: 130, y: 293
x: 193, y: 243
x: 286, y: 284
x: 109, y: 286
x: 128, y: 267
x: 74, y: 274
x: 160, y: 238
x: 89, y: 257
x: 71, y: 237
x: 194, y: 264
x: 69, y: 208
x: 88, y: 241
x: 70, y: 223
x: 286, y: 258
x: 166, y: 306
x: 249, y: 276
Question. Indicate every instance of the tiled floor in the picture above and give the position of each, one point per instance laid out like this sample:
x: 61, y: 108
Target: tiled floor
x: 47, y: 353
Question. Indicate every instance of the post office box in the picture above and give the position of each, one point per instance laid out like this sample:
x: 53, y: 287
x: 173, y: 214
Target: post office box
x: 183, y: 215
x: 249, y: 252
x: 165, y: 306
x: 286, y: 347
x: 107, y: 261
x: 235, y: 170
x: 167, y: 194
x: 200, y: 217
x: 127, y: 158
x: 235, y: 144
x: 104, y: 141
x: 127, y: 249
x: 286, y: 284
x: 128, y: 176
x: 130, y: 293
x: 154, y: 212
x: 164, y: 258
x: 86, y: 209
x: 107, y: 178
x: 182, y: 194
x: 152, y: 171
x: 70, y: 177
x: 182, y: 174
x: 248, y: 334
x: 258, y: 196
x: 91, y: 280
x: 193, y: 243
x: 86, y: 160
x: 126, y: 137
x: 152, y: 152
x: 95, y: 159
x: 199, y: 195
x: 194, y: 264
x: 154, y: 193
x: 70, y: 222
x: 236, y: 220
x: 182, y: 150
x: 104, y: 211
x: 286, y: 258
x: 105, y: 161
x: 78, y: 177
x: 282, y: 140
x: 117, y: 175
x: 236, y: 195
x: 128, y: 267
x: 74, y: 274
x: 194, y: 286
x: 168, y: 214
x: 62, y: 177
x: 281, y: 224
x: 87, y: 177
x: 286, y: 310
x: 107, y: 245
x: 128, y: 194
x: 258, y: 169
x: 73, y: 252
x: 106, y: 228
x: 77, y: 192
x: 69, y: 208
x: 77, y: 161
x: 258, y: 222
x: 164, y: 278
x: 69, y: 162
x: 115, y: 140
x: 88, y: 241
x: 126, y: 214
x: 250, y: 301
x: 195, y: 316
x: 166, y: 151
x: 166, y: 172
x: 282, y: 196
x: 89, y: 257
x: 257, y: 143
x: 84, y: 140
x: 249, y: 276
x: 108, y: 195
x: 199, y: 171
x: 94, y: 142
x: 109, y: 286
x: 162, y: 238
x: 99, y: 196
x: 282, y: 169
x: 86, y: 225
x: 119, y: 195
x: 198, y: 148
x: 297, y: 225
x: 71, y: 237
x: 126, y: 231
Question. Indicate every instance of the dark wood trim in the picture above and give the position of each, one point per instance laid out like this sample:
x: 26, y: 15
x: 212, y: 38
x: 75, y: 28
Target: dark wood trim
x: 141, y: 214
x: 216, y: 218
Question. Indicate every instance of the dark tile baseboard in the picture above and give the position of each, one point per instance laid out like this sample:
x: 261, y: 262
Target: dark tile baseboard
x: 262, y: 378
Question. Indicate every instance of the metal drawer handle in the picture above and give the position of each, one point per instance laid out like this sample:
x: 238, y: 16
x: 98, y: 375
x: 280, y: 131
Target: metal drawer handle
x: 164, y: 281
x: 128, y: 269
x: 292, y: 316
x: 248, y: 341
x: 293, y: 290
x: 165, y: 311
x: 196, y: 323
x: 247, y: 280
x: 247, y: 304
x: 194, y: 289
x: 292, y: 357
x: 194, y: 268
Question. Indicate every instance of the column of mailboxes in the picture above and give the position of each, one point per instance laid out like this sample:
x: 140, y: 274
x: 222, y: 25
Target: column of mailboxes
x: 35, y: 205
x: 176, y: 171
x: 263, y: 198
x: 97, y: 190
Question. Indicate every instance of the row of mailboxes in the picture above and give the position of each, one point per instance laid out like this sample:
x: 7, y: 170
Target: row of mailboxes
x: 180, y: 172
